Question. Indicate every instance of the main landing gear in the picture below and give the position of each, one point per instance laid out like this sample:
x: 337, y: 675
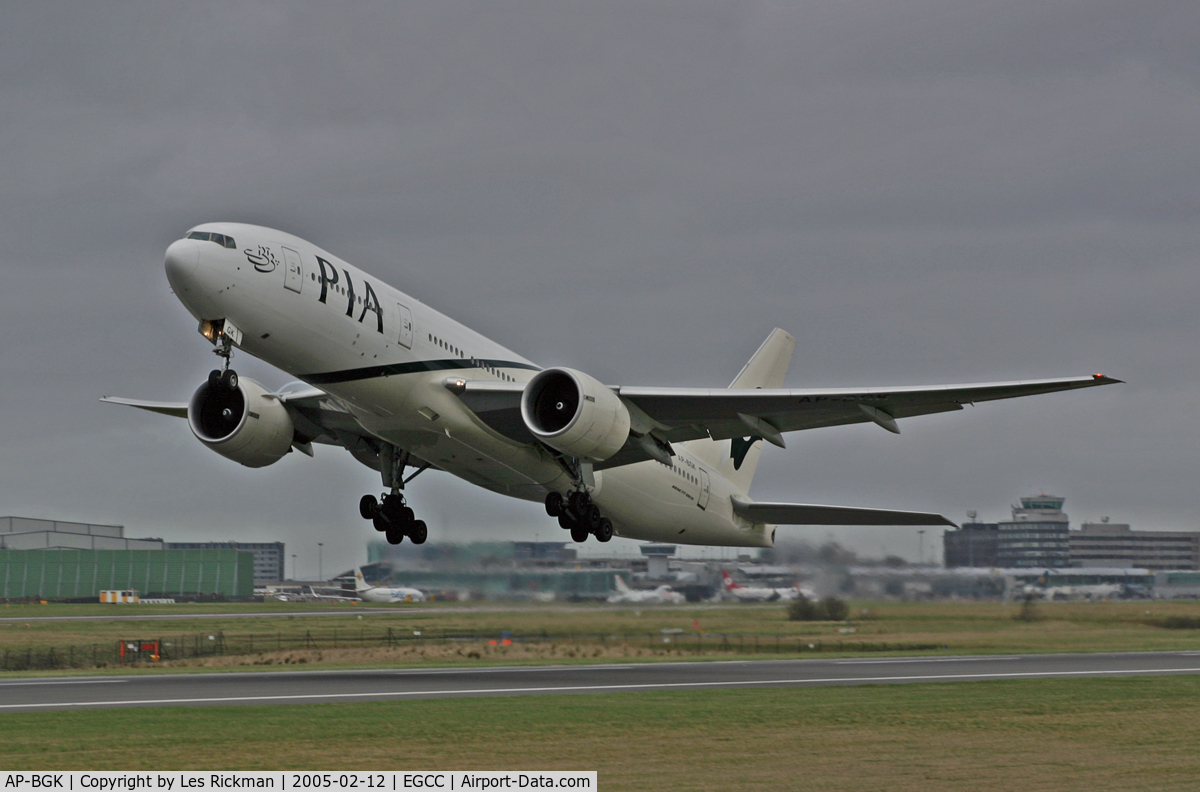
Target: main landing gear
x: 393, y: 518
x: 579, y: 515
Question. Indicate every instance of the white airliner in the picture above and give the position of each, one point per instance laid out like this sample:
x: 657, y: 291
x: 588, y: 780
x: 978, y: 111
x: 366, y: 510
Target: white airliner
x: 401, y: 386
x: 662, y: 594
x: 371, y: 593
x: 764, y: 593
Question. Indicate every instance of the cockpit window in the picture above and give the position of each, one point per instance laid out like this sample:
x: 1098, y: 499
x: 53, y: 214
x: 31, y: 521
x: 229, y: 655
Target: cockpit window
x: 220, y: 239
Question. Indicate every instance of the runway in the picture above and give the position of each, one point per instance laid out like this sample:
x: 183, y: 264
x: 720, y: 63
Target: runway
x: 308, y: 687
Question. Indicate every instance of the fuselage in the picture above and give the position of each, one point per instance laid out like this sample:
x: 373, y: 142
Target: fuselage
x: 763, y: 593
x: 386, y: 356
x: 381, y: 594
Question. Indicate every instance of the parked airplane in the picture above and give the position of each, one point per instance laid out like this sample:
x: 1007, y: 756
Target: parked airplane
x: 371, y: 593
x: 763, y: 594
x: 662, y: 594
x: 401, y: 386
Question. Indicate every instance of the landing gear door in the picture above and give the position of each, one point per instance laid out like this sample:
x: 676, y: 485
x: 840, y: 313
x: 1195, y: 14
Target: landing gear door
x: 294, y: 277
x: 705, y: 488
x: 406, y: 327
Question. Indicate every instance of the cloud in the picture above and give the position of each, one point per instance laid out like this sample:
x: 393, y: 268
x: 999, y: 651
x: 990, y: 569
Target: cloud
x: 921, y: 191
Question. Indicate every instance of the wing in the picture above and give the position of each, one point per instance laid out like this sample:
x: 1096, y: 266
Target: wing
x: 811, y: 514
x: 316, y: 416
x: 674, y: 415
x: 176, y: 409
x: 687, y: 414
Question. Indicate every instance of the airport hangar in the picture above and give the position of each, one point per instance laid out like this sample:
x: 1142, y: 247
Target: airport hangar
x: 54, y: 559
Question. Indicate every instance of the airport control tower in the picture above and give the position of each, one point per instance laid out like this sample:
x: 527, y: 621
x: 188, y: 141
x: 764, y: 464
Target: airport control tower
x: 1037, y: 536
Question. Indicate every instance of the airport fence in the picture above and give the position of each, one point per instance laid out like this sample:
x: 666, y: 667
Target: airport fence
x: 198, y: 645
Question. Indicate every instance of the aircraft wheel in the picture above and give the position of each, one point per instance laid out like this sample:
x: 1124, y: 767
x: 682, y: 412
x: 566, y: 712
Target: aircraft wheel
x: 565, y: 521
x: 605, y: 531
x: 577, y: 503
x: 396, y: 511
x: 419, y: 532
x: 229, y: 379
x: 579, y: 534
x: 591, y: 517
x: 381, y: 523
x: 407, y: 517
x: 554, y: 504
x: 368, y: 506
x: 214, y: 377
x: 394, y: 536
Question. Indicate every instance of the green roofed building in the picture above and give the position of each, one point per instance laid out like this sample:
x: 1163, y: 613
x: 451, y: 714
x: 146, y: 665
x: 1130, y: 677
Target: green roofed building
x: 82, y: 574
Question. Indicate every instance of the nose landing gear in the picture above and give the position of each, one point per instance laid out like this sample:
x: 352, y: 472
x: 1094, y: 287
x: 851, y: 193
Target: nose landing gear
x: 224, y: 377
x: 579, y: 515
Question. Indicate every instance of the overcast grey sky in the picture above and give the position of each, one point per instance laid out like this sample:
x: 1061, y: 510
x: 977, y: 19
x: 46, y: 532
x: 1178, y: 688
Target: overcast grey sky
x: 921, y: 191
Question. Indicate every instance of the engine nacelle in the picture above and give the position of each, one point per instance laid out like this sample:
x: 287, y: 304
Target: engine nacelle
x: 242, y: 423
x: 574, y: 413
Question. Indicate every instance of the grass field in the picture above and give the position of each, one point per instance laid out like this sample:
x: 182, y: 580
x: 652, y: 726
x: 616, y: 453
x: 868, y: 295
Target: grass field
x: 623, y: 632
x: 1085, y: 734
x: 1078, y: 734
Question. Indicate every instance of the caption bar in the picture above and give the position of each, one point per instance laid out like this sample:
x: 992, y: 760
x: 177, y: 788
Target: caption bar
x: 436, y: 780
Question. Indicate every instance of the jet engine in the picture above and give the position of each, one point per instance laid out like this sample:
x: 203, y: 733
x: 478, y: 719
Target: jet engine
x: 575, y: 414
x: 241, y: 422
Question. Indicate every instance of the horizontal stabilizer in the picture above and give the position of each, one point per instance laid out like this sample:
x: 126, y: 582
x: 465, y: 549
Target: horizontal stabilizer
x: 177, y: 409
x: 811, y: 514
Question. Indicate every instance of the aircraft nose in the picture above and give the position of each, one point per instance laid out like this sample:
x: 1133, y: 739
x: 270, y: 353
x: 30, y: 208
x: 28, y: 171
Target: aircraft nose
x: 182, y: 257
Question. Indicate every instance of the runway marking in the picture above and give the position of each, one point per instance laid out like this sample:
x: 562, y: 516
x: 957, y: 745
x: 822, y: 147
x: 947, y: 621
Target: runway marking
x: 894, y: 660
x: 64, y: 682
x: 588, y: 688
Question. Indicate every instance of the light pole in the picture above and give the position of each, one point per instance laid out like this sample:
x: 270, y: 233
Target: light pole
x: 921, y: 547
x: 295, y: 574
x: 320, y: 569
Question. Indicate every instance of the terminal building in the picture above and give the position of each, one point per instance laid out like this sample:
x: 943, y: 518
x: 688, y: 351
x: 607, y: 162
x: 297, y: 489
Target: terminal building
x: 1039, y: 537
x: 1116, y: 544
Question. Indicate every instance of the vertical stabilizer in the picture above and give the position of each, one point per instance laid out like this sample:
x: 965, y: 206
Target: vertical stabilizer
x: 737, y: 459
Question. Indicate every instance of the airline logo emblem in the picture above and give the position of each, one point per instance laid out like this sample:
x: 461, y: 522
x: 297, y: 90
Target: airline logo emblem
x: 263, y: 260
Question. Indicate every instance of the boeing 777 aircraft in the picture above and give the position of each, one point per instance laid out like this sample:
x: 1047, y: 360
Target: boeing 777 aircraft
x: 401, y: 386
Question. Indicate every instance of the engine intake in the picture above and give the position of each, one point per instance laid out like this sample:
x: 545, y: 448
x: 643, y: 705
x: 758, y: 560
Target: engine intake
x: 243, y: 423
x: 575, y: 414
